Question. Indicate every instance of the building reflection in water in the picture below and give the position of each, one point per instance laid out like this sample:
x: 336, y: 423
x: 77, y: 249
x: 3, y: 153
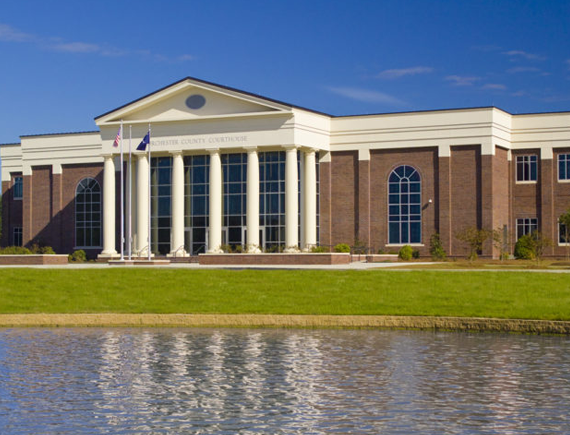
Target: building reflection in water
x: 281, y: 381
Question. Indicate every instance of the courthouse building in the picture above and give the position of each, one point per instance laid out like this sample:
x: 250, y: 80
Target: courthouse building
x: 232, y: 168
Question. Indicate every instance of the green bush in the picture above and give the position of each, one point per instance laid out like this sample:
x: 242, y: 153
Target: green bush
x: 406, y: 253
x: 415, y: 254
x: 15, y: 250
x: 436, y: 248
x: 78, y: 256
x: 37, y: 249
x: 342, y: 247
x: 318, y: 249
x: 525, y: 248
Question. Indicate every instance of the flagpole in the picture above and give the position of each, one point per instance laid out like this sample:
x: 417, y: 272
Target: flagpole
x: 130, y: 177
x: 149, y: 190
x: 122, y: 200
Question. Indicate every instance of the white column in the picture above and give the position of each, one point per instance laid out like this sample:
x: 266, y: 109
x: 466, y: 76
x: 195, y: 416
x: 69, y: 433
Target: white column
x: 291, y: 201
x: 142, y: 205
x: 252, y: 216
x: 177, y: 244
x: 109, y: 207
x: 215, y: 229
x: 310, y: 200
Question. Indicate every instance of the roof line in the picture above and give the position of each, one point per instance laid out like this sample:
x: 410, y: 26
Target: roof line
x: 60, y: 134
x: 251, y: 94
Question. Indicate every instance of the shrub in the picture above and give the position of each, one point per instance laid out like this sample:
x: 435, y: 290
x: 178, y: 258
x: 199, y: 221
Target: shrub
x: 37, y: 249
x: 524, y: 248
x: 406, y: 253
x: 415, y: 254
x: 436, y: 248
x: 318, y: 249
x: 15, y: 250
x: 78, y: 256
x: 474, y: 238
x: 342, y: 247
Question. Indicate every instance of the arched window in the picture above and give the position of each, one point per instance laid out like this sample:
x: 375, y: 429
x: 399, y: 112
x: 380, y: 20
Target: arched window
x: 404, y: 206
x: 88, y: 214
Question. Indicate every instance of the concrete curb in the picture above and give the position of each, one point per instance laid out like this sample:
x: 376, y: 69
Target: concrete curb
x: 286, y: 321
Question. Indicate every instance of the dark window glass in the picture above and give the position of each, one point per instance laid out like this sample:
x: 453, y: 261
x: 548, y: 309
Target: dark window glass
x: 87, y: 213
x: 404, y: 207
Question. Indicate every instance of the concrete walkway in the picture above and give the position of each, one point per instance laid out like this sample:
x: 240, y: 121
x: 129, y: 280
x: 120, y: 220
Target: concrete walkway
x: 395, y: 267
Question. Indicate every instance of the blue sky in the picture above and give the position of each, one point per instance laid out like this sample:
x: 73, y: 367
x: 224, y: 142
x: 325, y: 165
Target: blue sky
x: 65, y: 62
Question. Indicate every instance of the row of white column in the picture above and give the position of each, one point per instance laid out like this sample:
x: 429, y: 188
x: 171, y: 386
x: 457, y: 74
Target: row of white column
x: 309, y: 196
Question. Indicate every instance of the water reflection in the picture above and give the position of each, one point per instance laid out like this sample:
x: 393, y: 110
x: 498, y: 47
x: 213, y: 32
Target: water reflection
x: 71, y: 381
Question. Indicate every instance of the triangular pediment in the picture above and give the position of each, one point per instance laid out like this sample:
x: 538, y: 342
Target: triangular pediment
x: 192, y: 99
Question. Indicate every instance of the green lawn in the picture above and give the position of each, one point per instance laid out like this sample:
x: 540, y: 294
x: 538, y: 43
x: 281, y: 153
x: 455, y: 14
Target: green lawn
x: 416, y: 293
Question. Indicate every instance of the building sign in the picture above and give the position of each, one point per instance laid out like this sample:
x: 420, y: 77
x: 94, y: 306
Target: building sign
x: 201, y: 140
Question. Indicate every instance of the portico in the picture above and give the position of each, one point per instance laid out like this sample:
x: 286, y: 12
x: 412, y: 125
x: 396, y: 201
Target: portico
x: 222, y: 197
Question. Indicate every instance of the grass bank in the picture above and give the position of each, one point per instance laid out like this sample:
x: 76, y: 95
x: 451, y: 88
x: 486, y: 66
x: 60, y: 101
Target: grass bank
x: 504, y: 295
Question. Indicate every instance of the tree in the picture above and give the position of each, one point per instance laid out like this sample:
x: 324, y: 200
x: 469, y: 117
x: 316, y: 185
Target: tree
x: 499, y: 237
x: 564, y: 220
x: 474, y: 238
x: 540, y: 244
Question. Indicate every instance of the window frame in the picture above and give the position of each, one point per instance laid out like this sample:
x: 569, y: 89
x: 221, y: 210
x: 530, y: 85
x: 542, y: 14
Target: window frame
x: 527, y: 226
x: 567, y: 168
x: 393, y: 218
x: 17, y: 233
x: 18, y: 187
x: 76, y: 211
x: 527, y: 161
x: 560, y: 241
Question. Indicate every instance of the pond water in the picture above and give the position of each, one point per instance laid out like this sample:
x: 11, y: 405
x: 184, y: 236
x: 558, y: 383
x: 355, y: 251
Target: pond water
x: 226, y: 381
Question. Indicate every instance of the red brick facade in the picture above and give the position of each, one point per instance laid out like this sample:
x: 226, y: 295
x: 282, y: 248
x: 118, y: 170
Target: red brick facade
x: 463, y: 190
x: 47, y: 210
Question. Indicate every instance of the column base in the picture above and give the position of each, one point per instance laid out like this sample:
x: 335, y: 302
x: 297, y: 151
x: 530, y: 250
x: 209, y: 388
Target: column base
x: 253, y: 249
x: 109, y: 254
x: 178, y: 253
x: 215, y: 251
x: 291, y: 250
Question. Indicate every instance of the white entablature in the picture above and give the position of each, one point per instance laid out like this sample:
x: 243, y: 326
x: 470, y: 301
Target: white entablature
x: 192, y: 115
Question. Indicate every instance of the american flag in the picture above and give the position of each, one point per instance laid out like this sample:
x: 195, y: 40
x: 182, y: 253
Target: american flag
x: 117, y: 139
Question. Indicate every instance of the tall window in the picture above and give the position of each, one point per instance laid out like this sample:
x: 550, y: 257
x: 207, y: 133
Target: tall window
x: 404, y: 206
x: 563, y: 237
x: 196, y: 204
x: 17, y: 236
x: 18, y: 187
x: 526, y: 226
x: 527, y: 168
x: 563, y: 166
x: 88, y: 213
x: 160, y: 204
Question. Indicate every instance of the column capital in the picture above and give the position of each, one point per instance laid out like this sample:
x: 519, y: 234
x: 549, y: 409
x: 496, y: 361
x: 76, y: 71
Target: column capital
x: 108, y: 156
x: 176, y: 153
x: 140, y: 156
x: 212, y: 151
x: 308, y: 150
x: 290, y: 147
x: 250, y: 149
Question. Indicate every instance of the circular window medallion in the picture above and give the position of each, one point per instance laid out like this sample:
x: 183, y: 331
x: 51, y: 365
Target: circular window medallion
x: 195, y: 101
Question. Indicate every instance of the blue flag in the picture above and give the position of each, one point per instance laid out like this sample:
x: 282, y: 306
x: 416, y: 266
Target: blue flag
x: 144, y: 143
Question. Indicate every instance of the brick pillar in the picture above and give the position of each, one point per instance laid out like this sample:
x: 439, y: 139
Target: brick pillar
x: 487, y: 220
x: 444, y: 199
x: 6, y: 201
x: 325, y: 199
x: 548, y: 223
x: 27, y: 210
x: 56, y: 194
x: 363, y: 232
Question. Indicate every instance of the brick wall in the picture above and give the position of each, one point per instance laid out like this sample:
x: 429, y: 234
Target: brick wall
x: 382, y: 162
x: 344, y: 197
x: 11, y: 213
x: 465, y: 203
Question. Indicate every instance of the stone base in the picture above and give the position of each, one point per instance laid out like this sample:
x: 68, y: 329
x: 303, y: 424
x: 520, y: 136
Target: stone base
x: 106, y: 255
x: 178, y: 254
x: 34, y: 259
x: 277, y: 259
x: 139, y: 262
